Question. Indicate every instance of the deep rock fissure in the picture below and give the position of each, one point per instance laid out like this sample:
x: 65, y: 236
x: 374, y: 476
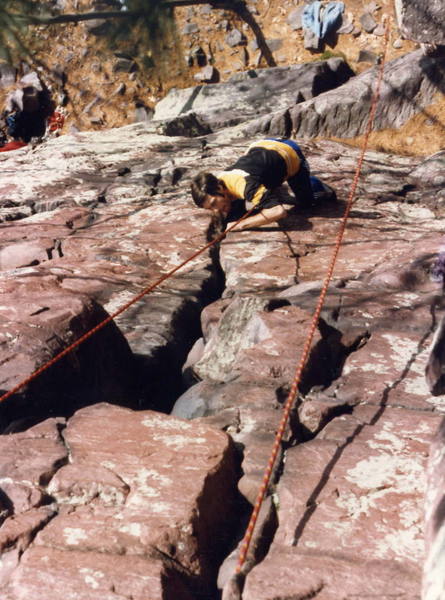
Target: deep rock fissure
x: 331, y: 350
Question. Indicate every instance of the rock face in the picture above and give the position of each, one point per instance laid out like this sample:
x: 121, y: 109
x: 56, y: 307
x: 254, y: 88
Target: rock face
x: 38, y: 320
x: 116, y: 525
x: 99, y: 242
x: 421, y: 21
x: 352, y: 489
x: 119, y: 502
x: 315, y: 99
x: 409, y: 84
x: 250, y: 94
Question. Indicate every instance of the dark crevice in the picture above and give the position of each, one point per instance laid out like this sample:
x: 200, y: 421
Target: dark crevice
x: 328, y: 356
x: 58, y: 247
x: 46, y: 477
x: 6, y: 507
x: 159, y: 379
x: 55, y: 250
x: 62, y: 428
x: 304, y: 434
x: 39, y: 311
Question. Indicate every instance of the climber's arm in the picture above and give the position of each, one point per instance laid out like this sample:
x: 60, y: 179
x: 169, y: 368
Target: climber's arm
x: 265, y: 216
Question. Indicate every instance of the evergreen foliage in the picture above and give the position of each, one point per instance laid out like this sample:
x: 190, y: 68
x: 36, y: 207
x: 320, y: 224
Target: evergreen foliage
x: 146, y: 26
x: 13, y: 27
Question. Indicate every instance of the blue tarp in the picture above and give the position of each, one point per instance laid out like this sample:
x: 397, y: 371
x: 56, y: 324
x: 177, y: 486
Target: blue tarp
x: 322, y: 18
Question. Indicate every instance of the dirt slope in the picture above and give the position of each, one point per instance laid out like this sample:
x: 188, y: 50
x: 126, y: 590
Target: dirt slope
x: 101, y: 96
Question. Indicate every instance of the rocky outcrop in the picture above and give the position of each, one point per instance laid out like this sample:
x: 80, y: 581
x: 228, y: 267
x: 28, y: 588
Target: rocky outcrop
x: 315, y: 99
x: 421, y: 21
x: 251, y: 94
x: 110, y: 521
x: 109, y: 237
x: 365, y: 373
x: 409, y: 85
x: 144, y: 497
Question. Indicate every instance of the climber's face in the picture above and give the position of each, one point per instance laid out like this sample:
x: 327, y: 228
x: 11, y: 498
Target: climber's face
x: 219, y: 203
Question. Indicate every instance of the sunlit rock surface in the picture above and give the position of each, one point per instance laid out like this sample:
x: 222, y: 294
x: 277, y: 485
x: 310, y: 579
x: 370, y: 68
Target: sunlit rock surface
x: 434, y: 574
x: 92, y: 220
x: 422, y: 20
x: 122, y: 519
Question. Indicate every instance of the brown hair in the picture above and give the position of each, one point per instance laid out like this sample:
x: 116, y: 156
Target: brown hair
x: 202, y: 185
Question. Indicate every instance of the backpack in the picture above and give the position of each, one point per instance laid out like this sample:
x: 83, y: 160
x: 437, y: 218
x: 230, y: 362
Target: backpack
x: 31, y: 99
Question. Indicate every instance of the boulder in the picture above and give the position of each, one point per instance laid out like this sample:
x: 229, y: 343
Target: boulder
x: 368, y: 22
x: 421, y: 21
x: 294, y: 18
x: 118, y: 491
x: 249, y: 95
x: 234, y: 38
x: 35, y: 331
x: 409, y: 85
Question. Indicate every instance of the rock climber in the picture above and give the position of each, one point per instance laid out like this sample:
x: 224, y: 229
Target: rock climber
x: 256, y: 179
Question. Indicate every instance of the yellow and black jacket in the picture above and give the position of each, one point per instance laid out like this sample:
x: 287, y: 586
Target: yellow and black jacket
x: 267, y: 164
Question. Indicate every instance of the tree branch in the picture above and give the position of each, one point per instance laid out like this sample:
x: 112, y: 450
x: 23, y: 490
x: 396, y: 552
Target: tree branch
x: 237, y: 6
x: 110, y: 14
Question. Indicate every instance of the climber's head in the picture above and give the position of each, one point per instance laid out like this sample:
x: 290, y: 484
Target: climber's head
x: 211, y: 193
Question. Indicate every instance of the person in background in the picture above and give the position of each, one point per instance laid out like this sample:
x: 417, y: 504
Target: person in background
x: 27, y: 109
x: 256, y: 179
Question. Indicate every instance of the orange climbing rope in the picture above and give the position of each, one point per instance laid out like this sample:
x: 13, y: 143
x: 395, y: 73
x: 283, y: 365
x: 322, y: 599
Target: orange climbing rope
x: 307, y: 346
x: 123, y: 308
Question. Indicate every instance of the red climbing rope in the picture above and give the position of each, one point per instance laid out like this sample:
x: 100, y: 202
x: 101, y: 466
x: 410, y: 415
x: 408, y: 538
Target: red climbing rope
x: 123, y: 308
x: 307, y: 346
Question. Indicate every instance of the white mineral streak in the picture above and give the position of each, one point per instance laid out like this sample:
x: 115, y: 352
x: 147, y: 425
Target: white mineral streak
x: 159, y: 422
x: 403, y: 544
x: 394, y: 471
x: 133, y: 529
x: 118, y: 301
x: 74, y: 535
x: 403, y: 349
x: 178, y: 442
x: 401, y: 474
x: 91, y: 577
